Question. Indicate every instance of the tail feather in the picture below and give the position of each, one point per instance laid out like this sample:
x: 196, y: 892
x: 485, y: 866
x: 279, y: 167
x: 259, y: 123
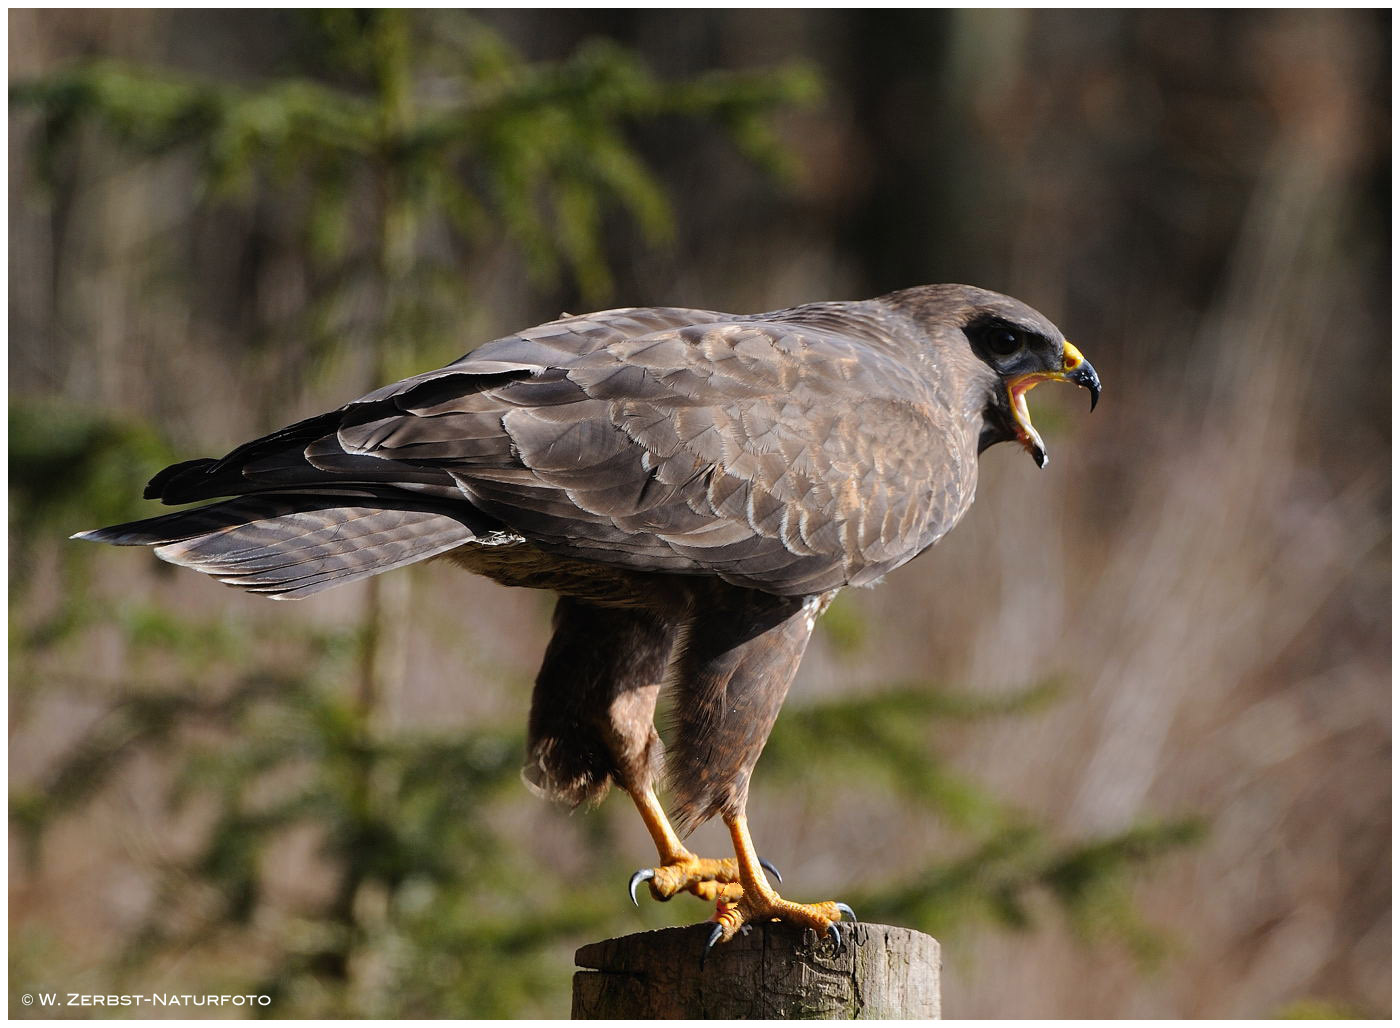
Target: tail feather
x: 289, y: 546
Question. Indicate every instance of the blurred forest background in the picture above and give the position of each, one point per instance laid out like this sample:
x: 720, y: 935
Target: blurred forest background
x: 1122, y: 741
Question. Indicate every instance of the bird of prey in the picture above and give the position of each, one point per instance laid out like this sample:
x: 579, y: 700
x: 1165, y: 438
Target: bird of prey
x: 695, y: 486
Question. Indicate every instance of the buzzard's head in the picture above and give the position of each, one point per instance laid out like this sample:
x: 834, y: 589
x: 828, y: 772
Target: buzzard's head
x: 998, y: 350
x: 1024, y: 349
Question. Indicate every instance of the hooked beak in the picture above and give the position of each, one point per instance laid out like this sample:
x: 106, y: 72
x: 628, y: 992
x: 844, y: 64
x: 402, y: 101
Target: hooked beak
x: 1076, y: 370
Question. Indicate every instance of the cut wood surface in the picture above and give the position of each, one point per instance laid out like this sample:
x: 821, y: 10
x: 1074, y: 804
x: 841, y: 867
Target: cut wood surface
x: 770, y: 971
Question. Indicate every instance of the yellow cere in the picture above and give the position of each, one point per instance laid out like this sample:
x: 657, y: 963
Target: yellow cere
x: 1073, y: 358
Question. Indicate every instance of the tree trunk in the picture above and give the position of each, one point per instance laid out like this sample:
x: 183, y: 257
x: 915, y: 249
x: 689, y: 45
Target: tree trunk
x: 769, y: 971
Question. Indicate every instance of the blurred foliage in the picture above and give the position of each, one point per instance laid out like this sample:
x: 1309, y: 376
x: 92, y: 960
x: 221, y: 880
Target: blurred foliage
x: 106, y: 464
x: 1090, y: 880
x: 532, y: 151
x: 433, y: 907
x: 885, y: 741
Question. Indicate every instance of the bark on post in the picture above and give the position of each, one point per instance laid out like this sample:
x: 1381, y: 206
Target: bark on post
x: 772, y: 971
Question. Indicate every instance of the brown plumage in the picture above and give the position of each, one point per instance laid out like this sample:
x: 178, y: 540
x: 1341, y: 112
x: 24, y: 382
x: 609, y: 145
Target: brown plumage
x: 695, y: 485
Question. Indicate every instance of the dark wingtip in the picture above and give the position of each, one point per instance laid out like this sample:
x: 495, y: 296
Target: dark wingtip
x: 161, y: 486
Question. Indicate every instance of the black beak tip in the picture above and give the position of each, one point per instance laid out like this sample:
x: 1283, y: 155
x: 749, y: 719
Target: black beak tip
x: 1086, y: 376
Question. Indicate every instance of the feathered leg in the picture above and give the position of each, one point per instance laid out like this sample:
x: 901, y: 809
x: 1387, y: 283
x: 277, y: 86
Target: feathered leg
x: 739, y: 659
x: 592, y: 723
x: 594, y: 700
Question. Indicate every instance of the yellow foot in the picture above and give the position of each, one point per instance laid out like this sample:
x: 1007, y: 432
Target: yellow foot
x: 766, y: 905
x: 713, y: 880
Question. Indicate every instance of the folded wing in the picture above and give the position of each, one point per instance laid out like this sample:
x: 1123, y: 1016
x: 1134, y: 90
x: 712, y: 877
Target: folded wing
x: 792, y: 453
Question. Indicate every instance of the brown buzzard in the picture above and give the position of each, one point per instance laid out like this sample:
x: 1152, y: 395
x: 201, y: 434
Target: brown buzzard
x: 695, y: 486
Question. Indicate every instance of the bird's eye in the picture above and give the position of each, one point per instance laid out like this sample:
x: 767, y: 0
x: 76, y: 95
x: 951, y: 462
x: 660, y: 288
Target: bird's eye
x: 1002, y: 341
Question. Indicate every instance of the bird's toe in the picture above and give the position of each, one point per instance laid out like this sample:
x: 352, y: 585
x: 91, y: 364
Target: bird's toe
x: 713, y: 880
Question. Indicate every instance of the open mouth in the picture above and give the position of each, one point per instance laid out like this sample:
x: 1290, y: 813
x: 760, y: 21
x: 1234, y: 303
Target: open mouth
x: 1076, y: 370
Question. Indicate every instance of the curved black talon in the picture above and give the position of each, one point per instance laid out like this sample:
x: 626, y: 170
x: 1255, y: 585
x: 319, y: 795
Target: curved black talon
x: 847, y: 914
x: 645, y: 874
x: 835, y: 934
x: 715, y: 933
x: 771, y: 870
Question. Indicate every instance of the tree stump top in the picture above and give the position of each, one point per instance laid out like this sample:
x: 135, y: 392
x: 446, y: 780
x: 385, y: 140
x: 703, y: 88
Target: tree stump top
x: 773, y: 971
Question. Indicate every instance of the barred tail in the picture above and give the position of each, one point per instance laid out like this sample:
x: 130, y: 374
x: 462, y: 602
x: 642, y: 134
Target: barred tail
x: 292, y: 545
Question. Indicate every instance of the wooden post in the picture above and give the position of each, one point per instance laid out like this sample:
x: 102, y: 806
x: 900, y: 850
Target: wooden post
x: 771, y: 971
